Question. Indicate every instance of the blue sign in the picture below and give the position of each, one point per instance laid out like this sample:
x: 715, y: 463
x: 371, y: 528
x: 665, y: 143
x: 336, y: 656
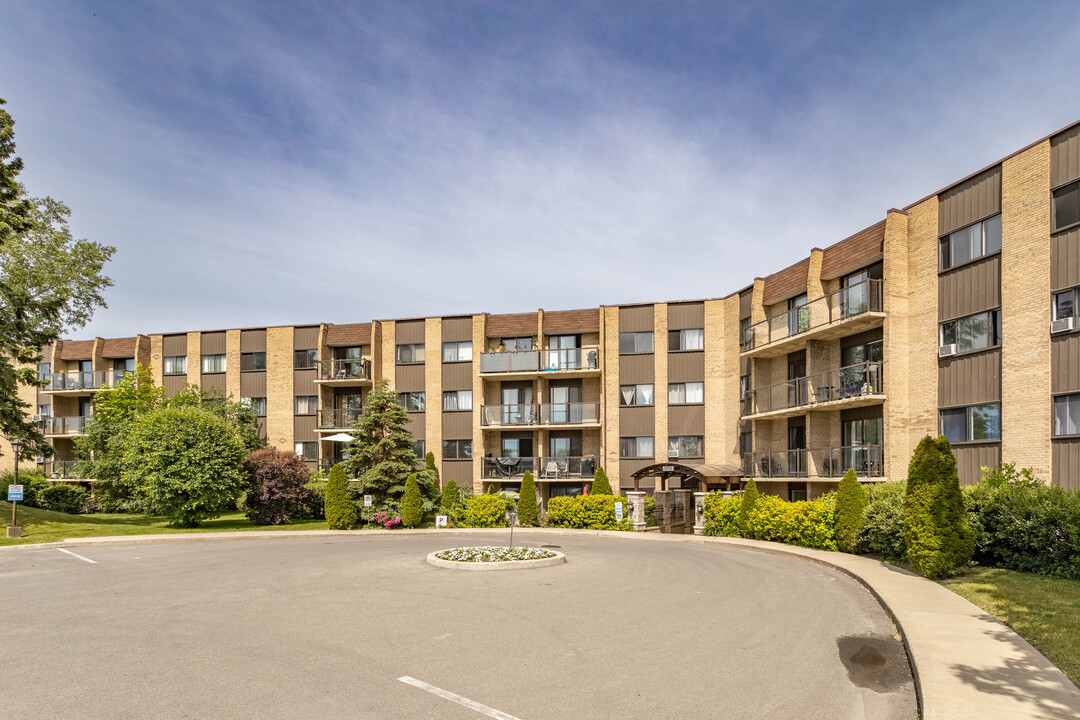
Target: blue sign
x: 14, y: 492
x: 618, y: 512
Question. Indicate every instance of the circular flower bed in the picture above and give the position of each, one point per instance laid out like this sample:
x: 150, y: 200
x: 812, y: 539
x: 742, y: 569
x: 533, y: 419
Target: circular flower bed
x: 493, y: 554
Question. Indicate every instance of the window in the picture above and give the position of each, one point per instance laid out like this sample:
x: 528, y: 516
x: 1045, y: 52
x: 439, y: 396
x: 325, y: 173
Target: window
x: 691, y: 393
x: 457, y: 351
x: 307, y: 450
x: 306, y: 404
x: 457, y: 400
x: 409, y: 354
x: 744, y: 386
x: 686, y: 339
x: 635, y: 342
x: 516, y: 343
x: 252, y: 361
x: 213, y: 363
x: 256, y: 405
x: 419, y: 448
x: 124, y: 365
x: 971, y: 242
x: 859, y: 354
x: 349, y: 353
x: 43, y: 371
x: 977, y: 422
x: 636, y: 394
x: 412, y: 401
x: 564, y: 342
x: 744, y: 332
x: 457, y: 449
x: 686, y: 446
x: 305, y: 359
x: 973, y: 332
x: 868, y: 431
x: 44, y: 410
x: 1064, y: 304
x: 174, y: 365
x: 746, y: 443
x: 636, y: 447
x: 1066, y: 414
x: 1066, y: 206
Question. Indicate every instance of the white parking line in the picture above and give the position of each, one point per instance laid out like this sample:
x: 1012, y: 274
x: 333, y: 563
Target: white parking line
x: 472, y: 705
x: 92, y: 562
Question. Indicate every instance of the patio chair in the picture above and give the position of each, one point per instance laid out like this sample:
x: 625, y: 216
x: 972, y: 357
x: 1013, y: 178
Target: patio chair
x: 551, y: 470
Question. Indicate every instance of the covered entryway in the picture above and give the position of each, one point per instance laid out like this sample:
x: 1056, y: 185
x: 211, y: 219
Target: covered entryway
x: 681, y: 510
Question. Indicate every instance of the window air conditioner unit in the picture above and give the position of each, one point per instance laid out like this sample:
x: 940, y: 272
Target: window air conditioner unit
x: 1063, y: 325
x: 39, y: 459
x: 946, y: 350
x: 37, y: 418
x: 673, y: 453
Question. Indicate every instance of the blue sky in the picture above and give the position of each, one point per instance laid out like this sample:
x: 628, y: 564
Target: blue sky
x: 263, y: 163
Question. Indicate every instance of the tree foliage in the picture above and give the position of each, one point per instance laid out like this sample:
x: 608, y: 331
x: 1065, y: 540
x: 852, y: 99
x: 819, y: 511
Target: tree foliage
x: 184, y: 463
x: 50, y: 283
x: 412, y: 513
x: 339, y: 507
x: 237, y: 415
x: 450, y: 499
x: 526, y: 508
x: 600, y: 485
x: 749, y: 500
x: 937, y: 534
x: 277, y: 481
x: 851, y: 503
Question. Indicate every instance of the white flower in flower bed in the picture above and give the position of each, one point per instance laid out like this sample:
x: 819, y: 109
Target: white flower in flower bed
x: 493, y: 554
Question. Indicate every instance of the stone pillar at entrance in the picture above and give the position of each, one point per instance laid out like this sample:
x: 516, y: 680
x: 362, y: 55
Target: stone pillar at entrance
x: 637, y: 509
x: 699, y: 512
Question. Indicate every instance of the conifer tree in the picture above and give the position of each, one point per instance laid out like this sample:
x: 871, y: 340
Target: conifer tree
x: 938, y: 537
x: 412, y: 512
x: 851, y: 503
x: 450, y: 498
x: 749, y: 499
x: 340, y: 508
x: 600, y: 484
x: 526, y: 508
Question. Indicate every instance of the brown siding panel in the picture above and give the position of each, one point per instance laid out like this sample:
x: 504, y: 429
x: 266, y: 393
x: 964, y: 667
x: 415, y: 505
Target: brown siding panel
x: 304, y: 428
x: 970, y: 201
x: 970, y: 459
x: 215, y: 381
x: 686, y: 316
x: 457, y: 425
x: 253, y: 384
x: 416, y: 426
x: 862, y: 338
x: 348, y: 335
x: 457, y: 376
x: 459, y: 471
x: 636, y: 318
x: 173, y: 345
x: 636, y: 421
x: 174, y: 384
x: 635, y: 369
x: 1065, y: 363
x: 789, y: 282
x: 1065, y: 259
x: 118, y: 348
x: 304, y: 382
x: 456, y: 329
x: 572, y: 322
x: 970, y: 289
x: 746, y: 303
x: 969, y: 379
x: 213, y: 343
x: 253, y: 341
x: 628, y: 467
x: 513, y: 325
x: 409, y: 332
x: 686, y: 367
x: 306, y: 338
x: 1065, y: 157
x: 1066, y: 463
x: 410, y: 378
x: 852, y: 253
x: 686, y: 420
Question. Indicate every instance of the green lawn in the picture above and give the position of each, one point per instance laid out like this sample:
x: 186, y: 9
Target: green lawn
x: 40, y: 526
x: 1045, y: 611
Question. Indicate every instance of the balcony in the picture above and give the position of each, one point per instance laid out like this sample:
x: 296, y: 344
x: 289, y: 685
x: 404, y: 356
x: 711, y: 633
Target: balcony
x: 62, y: 426
x: 61, y: 469
x: 81, y: 383
x: 575, y: 362
x: 847, y: 387
x: 546, y: 469
x: 350, y: 371
x: 816, y: 463
x: 844, y: 312
x: 547, y: 415
x: 336, y: 420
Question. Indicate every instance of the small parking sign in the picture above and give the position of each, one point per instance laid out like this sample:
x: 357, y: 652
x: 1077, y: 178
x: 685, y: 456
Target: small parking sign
x: 14, y: 492
x: 367, y: 501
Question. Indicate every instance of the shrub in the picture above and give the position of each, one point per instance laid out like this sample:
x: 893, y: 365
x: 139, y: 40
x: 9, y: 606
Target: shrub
x: 807, y: 523
x: 749, y: 499
x: 883, y: 522
x: 340, y: 509
x: 650, y: 511
x: 412, y: 510
x: 33, y: 482
x: 313, y: 504
x: 936, y: 530
x: 850, y: 506
x: 722, y: 515
x: 1007, y: 474
x: 596, y: 512
x: 600, y: 484
x: 450, y: 498
x: 277, y: 490
x: 62, y: 497
x: 526, y: 507
x: 486, y: 511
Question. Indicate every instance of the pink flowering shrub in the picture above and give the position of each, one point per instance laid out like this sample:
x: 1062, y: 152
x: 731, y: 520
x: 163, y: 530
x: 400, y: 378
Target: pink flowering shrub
x: 387, y: 520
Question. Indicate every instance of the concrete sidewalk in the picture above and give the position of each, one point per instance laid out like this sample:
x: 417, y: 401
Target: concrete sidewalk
x: 966, y: 663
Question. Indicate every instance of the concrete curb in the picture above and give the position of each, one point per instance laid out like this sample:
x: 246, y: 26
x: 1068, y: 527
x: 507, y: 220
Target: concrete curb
x: 965, y: 662
x: 558, y: 559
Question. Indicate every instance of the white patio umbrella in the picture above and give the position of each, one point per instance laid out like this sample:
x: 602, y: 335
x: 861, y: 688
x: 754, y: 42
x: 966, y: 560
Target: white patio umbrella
x: 340, y: 437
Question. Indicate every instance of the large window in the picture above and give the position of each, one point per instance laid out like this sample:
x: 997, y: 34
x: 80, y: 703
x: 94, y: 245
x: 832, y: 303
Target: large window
x: 176, y: 365
x: 1065, y: 304
x: 641, y: 394
x: 691, y: 393
x: 514, y: 344
x: 635, y: 342
x: 256, y: 405
x: 412, y: 401
x: 686, y: 446
x: 213, y: 363
x: 457, y: 449
x: 419, y: 448
x: 252, y: 361
x: 564, y: 342
x: 1067, y: 414
x: 305, y: 359
x: 123, y: 365
x: 307, y: 450
x: 44, y: 410
x: 1066, y: 206
x: 744, y: 333
x: 973, y: 423
x: 409, y: 354
x: 971, y: 242
x: 43, y: 371
x: 306, y: 404
x: 457, y: 400
x: 686, y: 339
x: 636, y: 447
x: 457, y: 351
x: 973, y: 332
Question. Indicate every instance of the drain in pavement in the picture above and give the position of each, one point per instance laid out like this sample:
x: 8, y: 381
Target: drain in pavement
x: 875, y: 662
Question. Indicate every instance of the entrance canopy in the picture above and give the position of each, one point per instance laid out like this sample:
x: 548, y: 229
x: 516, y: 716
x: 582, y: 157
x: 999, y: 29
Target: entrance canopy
x: 703, y: 474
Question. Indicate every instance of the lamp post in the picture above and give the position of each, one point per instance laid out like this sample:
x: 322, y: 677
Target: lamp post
x: 14, y: 530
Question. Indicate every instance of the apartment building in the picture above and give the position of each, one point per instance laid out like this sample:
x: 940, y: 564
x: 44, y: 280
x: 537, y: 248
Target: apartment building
x: 954, y: 315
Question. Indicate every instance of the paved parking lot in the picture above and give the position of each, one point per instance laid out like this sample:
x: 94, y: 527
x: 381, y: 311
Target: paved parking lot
x: 363, y: 627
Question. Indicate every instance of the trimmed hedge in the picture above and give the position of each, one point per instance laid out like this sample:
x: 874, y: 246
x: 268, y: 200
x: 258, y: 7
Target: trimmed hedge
x: 722, y: 515
x: 62, y: 497
x: 808, y: 523
x: 596, y: 512
x: 485, y: 510
x: 883, y: 522
x: 33, y: 482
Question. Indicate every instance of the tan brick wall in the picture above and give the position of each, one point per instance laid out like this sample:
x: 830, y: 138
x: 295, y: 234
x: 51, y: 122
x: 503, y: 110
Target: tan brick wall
x: 609, y: 326
x: 660, y: 389
x: 279, y: 387
x: 194, y: 358
x: 1025, y: 303
x: 388, y: 365
x: 156, y: 362
x: 479, y: 328
x: 99, y: 363
x: 722, y: 380
x: 232, y: 364
x: 433, y: 387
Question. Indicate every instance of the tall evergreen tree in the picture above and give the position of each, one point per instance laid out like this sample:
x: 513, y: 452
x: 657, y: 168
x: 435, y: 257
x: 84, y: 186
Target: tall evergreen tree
x: 526, y: 508
x: 749, y: 500
x: 450, y: 498
x: 339, y: 506
x: 412, y: 513
x: 938, y: 537
x: 600, y: 485
x: 851, y: 502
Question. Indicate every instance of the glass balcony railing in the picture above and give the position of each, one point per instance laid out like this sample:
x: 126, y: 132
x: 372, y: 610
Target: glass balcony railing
x: 62, y: 425
x: 574, y: 413
x: 80, y: 380
x: 345, y: 369
x: 60, y: 469
x: 554, y: 360
x: 509, y: 467
x: 857, y: 380
x: 849, y: 302
x: 567, y: 468
x: 339, y: 418
x: 831, y: 462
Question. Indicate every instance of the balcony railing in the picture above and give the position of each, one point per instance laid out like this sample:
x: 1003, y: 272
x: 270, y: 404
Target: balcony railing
x: 849, y: 302
x: 574, y: 413
x: 832, y: 462
x: 853, y: 381
x: 62, y: 425
x: 346, y: 369
x: 341, y: 418
x: 60, y: 469
x: 509, y: 467
x: 542, y: 468
x: 80, y: 380
x: 554, y: 360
